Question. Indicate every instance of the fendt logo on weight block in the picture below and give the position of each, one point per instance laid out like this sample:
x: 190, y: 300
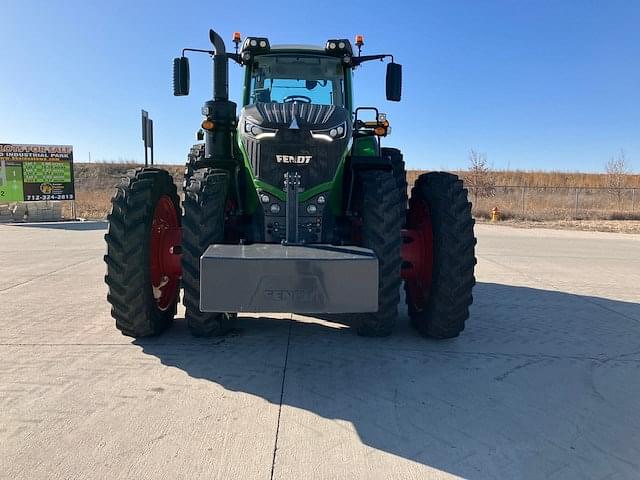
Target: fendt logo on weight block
x: 290, y: 297
x: 298, y: 159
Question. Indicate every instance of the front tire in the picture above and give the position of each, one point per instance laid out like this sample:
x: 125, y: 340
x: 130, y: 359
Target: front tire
x: 382, y: 215
x: 203, y: 225
x: 143, y: 292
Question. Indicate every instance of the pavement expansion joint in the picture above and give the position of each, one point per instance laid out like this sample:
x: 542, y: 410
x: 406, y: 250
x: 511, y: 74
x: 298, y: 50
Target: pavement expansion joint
x: 284, y: 373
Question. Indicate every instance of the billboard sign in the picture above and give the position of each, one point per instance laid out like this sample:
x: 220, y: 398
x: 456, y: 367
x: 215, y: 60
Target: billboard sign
x: 31, y: 173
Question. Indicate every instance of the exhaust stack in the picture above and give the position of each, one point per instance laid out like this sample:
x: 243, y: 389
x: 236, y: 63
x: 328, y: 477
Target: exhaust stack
x: 220, y: 68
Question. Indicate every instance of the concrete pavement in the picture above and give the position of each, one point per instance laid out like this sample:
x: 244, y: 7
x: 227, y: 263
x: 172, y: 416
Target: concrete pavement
x: 543, y: 383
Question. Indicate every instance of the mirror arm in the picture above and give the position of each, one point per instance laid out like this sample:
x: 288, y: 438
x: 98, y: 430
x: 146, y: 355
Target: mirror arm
x: 235, y: 57
x: 196, y: 50
x: 355, y: 61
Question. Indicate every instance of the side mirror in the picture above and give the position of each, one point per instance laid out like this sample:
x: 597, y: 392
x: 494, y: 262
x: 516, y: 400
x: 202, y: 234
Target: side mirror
x: 394, y: 82
x: 180, y: 76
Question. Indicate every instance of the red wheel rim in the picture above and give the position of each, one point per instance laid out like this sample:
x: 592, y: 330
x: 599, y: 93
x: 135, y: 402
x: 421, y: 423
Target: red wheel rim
x: 165, y: 253
x: 417, y: 254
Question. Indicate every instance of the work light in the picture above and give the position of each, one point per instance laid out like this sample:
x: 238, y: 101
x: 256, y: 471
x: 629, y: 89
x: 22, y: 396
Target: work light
x: 255, y: 46
x: 339, y: 48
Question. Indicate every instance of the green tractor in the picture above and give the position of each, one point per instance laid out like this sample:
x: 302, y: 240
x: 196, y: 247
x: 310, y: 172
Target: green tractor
x: 291, y: 206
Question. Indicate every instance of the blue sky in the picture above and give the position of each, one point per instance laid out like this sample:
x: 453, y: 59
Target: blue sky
x: 534, y: 84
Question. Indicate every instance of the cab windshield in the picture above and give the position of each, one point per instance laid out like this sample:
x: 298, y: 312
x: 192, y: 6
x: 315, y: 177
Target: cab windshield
x: 297, y: 78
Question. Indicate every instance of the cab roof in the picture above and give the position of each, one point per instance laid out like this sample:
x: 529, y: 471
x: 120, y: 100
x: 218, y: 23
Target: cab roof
x: 298, y: 48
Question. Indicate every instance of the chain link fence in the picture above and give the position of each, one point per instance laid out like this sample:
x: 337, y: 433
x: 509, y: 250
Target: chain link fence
x: 557, y: 203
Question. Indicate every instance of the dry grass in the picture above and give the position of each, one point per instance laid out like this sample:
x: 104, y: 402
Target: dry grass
x: 95, y: 185
x: 559, y: 204
x: 534, y: 178
x: 552, y: 196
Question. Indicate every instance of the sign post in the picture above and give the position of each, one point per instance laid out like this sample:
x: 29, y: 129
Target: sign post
x: 147, y: 136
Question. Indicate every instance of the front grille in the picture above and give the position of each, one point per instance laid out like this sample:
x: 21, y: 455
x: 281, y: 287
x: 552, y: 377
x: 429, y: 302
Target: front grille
x: 321, y: 168
x: 307, y: 113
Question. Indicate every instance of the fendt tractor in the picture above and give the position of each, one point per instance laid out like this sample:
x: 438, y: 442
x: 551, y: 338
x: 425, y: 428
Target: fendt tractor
x: 291, y: 206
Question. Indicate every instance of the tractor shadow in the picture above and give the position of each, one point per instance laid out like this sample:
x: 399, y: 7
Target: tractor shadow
x: 541, y: 383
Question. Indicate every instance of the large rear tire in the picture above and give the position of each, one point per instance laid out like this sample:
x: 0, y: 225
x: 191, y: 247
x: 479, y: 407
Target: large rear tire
x: 194, y: 161
x: 439, y: 305
x: 203, y: 225
x: 143, y: 292
x: 399, y: 173
x: 382, y: 218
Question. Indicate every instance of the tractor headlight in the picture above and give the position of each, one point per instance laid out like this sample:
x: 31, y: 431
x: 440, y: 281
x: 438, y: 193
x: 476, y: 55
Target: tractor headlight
x: 257, y: 131
x: 330, y: 134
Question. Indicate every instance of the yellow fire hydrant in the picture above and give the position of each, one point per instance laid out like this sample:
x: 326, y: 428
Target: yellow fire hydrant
x: 495, y: 214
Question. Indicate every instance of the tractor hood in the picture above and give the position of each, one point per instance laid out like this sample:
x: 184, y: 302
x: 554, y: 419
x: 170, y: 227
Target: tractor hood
x: 294, y: 137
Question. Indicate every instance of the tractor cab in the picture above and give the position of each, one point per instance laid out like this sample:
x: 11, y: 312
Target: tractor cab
x: 295, y: 116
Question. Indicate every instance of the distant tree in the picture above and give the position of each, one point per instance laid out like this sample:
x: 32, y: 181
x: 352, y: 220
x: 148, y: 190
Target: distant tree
x: 480, y: 178
x: 618, y: 170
